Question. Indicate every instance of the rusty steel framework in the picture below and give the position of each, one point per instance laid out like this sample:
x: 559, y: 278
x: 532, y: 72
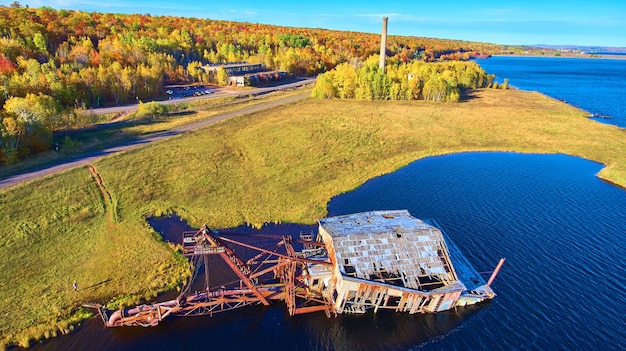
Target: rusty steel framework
x: 357, y: 262
x: 275, y: 272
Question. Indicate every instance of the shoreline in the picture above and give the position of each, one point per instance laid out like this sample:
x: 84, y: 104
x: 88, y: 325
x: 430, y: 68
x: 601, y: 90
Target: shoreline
x: 279, y: 166
x: 88, y: 322
x: 73, y: 328
x: 585, y: 56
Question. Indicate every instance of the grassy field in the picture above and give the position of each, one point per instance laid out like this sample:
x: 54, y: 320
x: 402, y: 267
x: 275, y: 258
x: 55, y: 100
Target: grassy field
x: 103, y: 136
x: 282, y: 165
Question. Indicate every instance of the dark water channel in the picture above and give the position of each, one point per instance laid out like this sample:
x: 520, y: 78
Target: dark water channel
x: 561, y: 229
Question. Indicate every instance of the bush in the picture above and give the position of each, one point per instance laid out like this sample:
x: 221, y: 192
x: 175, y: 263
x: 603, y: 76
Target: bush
x: 151, y: 109
x: 9, y: 156
x: 68, y: 143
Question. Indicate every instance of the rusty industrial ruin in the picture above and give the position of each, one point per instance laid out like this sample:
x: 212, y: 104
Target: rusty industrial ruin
x: 354, y: 264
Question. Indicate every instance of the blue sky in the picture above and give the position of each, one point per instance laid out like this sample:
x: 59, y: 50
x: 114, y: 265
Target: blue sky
x: 554, y: 22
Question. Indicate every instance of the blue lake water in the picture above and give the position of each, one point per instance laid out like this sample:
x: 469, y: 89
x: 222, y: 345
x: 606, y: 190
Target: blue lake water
x: 594, y: 85
x: 562, y: 230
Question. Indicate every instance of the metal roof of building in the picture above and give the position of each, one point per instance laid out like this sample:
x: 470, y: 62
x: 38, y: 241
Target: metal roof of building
x: 374, y: 222
x: 393, y: 242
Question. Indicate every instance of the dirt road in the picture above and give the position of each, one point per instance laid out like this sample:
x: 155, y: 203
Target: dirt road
x: 91, y: 157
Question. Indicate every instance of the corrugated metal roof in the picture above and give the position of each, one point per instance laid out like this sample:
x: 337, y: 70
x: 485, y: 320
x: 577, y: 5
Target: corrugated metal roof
x: 393, y: 242
x: 374, y: 222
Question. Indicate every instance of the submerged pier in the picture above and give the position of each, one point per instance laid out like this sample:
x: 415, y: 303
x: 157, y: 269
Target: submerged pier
x: 356, y: 263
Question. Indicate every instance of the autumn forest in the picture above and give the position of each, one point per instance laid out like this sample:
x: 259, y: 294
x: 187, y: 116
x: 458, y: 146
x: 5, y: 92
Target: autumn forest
x: 55, y: 63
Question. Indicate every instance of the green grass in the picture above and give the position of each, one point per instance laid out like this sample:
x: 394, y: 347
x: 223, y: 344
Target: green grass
x: 89, y: 139
x: 281, y: 165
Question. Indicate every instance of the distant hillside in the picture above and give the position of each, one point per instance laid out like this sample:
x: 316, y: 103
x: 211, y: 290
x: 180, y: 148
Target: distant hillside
x: 585, y: 49
x: 55, y: 61
x: 88, y: 59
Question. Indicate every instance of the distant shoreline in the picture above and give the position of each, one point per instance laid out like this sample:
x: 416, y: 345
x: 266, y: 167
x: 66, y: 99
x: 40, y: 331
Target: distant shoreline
x: 588, y: 56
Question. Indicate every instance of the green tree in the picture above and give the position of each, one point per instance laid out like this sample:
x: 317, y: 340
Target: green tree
x: 40, y: 43
x: 222, y: 77
x: 31, y: 120
x: 34, y: 109
x: 345, y: 81
x: 196, y: 71
x: 435, y: 89
x: 11, y: 132
x: 294, y: 40
x: 151, y: 109
x: 324, y: 87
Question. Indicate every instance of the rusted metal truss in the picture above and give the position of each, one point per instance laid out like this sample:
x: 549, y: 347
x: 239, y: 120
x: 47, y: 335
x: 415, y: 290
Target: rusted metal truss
x: 275, y: 271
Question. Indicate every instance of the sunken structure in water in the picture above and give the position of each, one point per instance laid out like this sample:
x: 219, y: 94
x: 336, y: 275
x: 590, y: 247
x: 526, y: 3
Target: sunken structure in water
x: 392, y: 260
x: 356, y: 263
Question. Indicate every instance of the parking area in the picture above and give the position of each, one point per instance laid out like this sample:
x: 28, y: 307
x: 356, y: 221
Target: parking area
x: 180, y: 92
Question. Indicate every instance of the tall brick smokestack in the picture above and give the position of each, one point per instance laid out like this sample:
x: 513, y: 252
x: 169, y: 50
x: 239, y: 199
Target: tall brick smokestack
x: 383, y: 45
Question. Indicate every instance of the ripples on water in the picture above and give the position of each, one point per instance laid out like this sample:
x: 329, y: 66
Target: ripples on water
x: 561, y: 229
x: 562, y: 287
x: 594, y: 85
